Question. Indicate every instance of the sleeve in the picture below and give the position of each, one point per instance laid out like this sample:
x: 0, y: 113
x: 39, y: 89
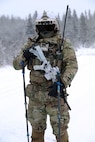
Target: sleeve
x: 70, y: 63
x: 19, y: 58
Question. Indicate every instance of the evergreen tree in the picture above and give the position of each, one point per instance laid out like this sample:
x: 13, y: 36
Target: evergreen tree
x: 75, y: 22
x: 30, y: 26
x: 69, y: 26
x: 35, y: 16
x: 91, y: 27
x: 83, y: 30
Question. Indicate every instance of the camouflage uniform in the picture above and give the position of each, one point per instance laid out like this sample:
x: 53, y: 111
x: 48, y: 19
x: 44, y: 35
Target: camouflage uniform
x: 40, y: 104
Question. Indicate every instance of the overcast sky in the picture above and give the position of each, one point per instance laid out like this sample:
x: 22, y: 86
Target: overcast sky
x: 21, y: 8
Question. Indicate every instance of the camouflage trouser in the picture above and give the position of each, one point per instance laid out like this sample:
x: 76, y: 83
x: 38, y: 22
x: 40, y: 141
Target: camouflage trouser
x: 41, y: 105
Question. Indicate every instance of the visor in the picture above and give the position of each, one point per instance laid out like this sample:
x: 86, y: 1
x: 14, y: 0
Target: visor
x: 45, y: 27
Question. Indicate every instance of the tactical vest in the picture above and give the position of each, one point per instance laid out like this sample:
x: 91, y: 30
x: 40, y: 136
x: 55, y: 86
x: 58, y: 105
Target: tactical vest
x: 51, y: 52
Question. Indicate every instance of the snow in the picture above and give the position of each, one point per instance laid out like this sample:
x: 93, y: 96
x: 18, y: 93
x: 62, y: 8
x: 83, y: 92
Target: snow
x: 81, y: 100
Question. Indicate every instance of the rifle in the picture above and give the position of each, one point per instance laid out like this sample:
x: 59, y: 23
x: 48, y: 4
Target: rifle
x: 50, y: 72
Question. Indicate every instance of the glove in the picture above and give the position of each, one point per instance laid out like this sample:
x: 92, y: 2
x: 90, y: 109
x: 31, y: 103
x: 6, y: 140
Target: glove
x: 53, y: 89
x: 27, y: 54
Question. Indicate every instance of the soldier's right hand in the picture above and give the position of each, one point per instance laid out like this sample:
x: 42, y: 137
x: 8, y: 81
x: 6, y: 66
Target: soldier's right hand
x: 27, y: 54
x: 54, y: 89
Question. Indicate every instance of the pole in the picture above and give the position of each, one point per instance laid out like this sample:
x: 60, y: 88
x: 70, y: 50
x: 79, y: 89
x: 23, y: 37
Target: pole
x: 58, y: 79
x: 59, y: 107
x: 65, y: 24
x: 26, y: 114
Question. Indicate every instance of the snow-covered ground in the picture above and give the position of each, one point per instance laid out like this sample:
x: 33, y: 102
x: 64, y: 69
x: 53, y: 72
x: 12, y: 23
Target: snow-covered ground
x: 81, y: 99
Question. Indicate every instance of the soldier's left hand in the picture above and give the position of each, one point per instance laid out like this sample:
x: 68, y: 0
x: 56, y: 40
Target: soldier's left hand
x: 27, y: 54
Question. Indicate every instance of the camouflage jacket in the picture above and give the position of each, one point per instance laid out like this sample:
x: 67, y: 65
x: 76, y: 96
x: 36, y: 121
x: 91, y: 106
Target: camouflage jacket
x: 67, y: 62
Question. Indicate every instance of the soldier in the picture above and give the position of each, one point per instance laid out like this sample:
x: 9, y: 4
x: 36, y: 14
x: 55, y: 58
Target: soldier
x: 42, y: 93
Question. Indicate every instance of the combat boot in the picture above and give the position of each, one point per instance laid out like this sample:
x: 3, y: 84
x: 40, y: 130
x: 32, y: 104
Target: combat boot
x: 37, y: 136
x: 63, y: 138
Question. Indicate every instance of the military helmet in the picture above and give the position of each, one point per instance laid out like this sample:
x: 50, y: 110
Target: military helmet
x: 46, y: 26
